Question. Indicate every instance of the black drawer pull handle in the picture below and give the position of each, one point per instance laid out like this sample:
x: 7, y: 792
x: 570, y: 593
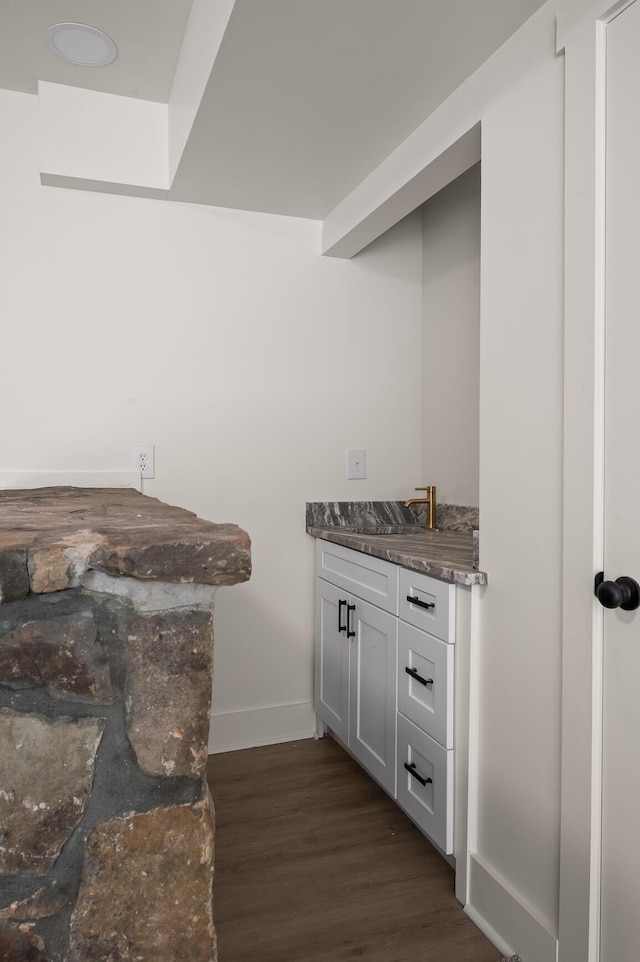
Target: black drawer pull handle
x: 414, y: 674
x: 419, y: 603
x: 411, y: 768
x: 350, y: 633
x: 341, y: 602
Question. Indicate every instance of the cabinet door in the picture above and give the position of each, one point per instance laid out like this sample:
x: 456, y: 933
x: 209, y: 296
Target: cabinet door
x: 331, y: 659
x: 373, y: 691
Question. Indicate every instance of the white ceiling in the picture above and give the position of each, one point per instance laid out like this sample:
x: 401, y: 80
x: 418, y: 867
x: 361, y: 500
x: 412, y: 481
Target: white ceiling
x: 305, y: 98
x: 308, y: 96
x: 147, y: 33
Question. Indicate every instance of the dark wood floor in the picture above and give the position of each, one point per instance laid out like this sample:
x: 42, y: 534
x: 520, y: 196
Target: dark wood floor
x: 314, y: 863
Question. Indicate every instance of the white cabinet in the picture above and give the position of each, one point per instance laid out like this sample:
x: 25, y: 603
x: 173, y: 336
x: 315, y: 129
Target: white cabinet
x: 385, y: 676
x: 356, y: 662
x: 425, y: 682
x: 426, y: 664
x: 372, y: 691
x: 427, y: 603
x: 425, y: 783
x: 369, y: 578
x: 331, y: 660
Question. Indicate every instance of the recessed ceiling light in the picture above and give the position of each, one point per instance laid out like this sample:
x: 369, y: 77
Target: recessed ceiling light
x: 81, y: 44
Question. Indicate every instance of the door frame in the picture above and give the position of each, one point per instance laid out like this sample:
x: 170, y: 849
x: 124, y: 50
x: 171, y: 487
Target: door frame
x: 582, y: 37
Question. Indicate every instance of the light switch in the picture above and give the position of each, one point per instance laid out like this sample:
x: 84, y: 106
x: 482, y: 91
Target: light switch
x: 356, y: 464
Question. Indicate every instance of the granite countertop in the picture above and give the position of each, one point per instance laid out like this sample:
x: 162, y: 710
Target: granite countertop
x: 388, y: 530
x: 447, y: 555
x: 49, y: 537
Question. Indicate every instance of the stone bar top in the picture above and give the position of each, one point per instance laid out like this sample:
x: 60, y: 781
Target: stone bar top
x: 106, y: 657
x: 50, y: 537
x: 389, y: 531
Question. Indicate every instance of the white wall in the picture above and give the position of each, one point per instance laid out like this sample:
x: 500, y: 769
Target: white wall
x: 451, y: 339
x: 251, y: 363
x: 521, y: 435
x: 517, y: 97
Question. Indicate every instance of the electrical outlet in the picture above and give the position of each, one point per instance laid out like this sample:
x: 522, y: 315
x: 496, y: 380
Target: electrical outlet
x: 143, y: 460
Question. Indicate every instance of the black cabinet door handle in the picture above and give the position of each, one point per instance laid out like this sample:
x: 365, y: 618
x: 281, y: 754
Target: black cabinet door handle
x: 411, y: 768
x: 414, y: 674
x: 419, y: 603
x: 350, y: 633
x: 341, y: 603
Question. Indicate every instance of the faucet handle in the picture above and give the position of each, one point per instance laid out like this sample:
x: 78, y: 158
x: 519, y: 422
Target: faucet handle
x: 431, y: 488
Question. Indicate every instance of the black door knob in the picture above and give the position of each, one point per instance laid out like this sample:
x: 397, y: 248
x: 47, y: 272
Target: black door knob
x: 622, y: 593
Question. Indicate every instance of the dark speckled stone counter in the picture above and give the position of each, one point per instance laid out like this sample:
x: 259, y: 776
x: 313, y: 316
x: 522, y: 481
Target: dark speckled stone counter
x: 446, y: 554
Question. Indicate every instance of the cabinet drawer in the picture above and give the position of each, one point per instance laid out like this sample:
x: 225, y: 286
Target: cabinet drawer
x: 370, y: 578
x: 439, y: 617
x: 425, y: 693
x: 431, y: 805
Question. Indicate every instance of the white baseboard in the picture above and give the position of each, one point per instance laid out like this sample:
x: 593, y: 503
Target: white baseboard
x: 511, y: 924
x: 231, y: 731
x: 502, y: 947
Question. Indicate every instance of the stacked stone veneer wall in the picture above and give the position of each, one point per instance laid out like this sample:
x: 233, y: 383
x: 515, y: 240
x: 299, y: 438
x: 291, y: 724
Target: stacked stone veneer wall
x: 106, y: 824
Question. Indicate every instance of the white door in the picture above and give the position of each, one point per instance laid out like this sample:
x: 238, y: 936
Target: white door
x: 332, y: 658
x: 620, y: 915
x: 372, y: 699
